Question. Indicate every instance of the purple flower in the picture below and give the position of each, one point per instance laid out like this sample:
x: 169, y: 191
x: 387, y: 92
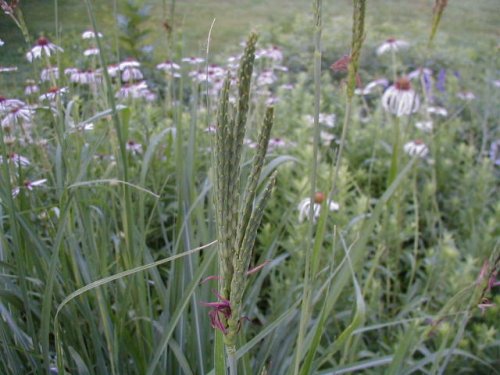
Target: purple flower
x: 441, y: 81
x: 495, y: 152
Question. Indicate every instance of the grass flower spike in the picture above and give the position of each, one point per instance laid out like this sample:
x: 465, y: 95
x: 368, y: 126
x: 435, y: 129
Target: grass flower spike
x: 237, y: 219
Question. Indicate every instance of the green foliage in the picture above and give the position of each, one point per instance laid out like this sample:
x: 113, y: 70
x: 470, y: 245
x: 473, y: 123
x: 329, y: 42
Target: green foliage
x: 96, y: 272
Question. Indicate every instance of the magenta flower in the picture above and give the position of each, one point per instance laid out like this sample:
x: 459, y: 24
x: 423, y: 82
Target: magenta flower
x: 221, y: 311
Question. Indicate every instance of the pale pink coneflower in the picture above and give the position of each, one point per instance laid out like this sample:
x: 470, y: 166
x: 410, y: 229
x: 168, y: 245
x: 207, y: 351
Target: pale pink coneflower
x: 49, y: 74
x: 83, y: 77
x: 28, y: 185
x: 1, y: 42
x: 304, y: 206
x: 233, y: 62
x: 275, y: 143
x: 271, y: 101
x: 267, y: 77
x: 280, y: 68
x: 130, y: 74
x: 31, y: 88
x: 439, y: 111
x: 7, y: 105
x: 130, y: 71
x: 392, y: 44
x: 8, y: 69
x: 134, y: 91
x: 129, y: 63
x: 417, y: 73
x: 42, y: 47
x: 416, y: 148
x: 368, y: 89
x: 287, y: 87
x: 400, y: 99
x: 9, y: 140
x: 52, y: 94
x: 495, y: 152
x: 273, y: 53
x: 83, y: 127
x: 216, y: 71
x: 91, y: 52
x: 425, y: 126
x: 19, y: 115
x: 249, y: 143
x: 133, y: 147
x: 193, y: 60
x: 90, y: 34
x: 212, y: 129
x: 326, y: 137
x: 168, y: 66
x: 17, y: 159
x: 466, y: 95
x: 325, y: 119
x: 113, y: 70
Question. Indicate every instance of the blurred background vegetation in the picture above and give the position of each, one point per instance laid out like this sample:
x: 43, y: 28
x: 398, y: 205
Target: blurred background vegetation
x: 466, y: 24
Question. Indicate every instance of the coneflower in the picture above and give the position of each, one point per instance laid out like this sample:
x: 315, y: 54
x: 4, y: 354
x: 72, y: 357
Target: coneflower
x: 400, y: 99
x: 42, y: 47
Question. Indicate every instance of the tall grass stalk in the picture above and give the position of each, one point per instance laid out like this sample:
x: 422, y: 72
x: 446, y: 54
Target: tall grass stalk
x: 307, y: 287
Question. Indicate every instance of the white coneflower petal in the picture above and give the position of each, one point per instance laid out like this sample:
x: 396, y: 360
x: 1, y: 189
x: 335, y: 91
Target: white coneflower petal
x: 42, y: 47
x: 392, y: 44
x: 372, y: 85
x: 420, y: 72
x: 129, y: 63
x: 276, y: 143
x: 1, y: 42
x: 425, y: 126
x: 8, y: 69
x: 168, y: 66
x: 31, y: 88
x: 304, y: 206
x: 466, y: 95
x: 193, y: 60
x: 440, y: 111
x: 131, y: 74
x: 267, y: 77
x: 91, y: 52
x: 7, y: 105
x: 53, y: 93
x: 90, y: 34
x: 49, y: 74
x: 400, y: 99
x: 326, y: 137
x: 416, y: 148
x: 133, y: 147
x: 19, y: 160
x: 19, y: 115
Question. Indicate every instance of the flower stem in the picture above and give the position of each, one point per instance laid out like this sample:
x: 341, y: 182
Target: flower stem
x: 231, y: 360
